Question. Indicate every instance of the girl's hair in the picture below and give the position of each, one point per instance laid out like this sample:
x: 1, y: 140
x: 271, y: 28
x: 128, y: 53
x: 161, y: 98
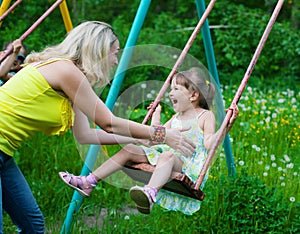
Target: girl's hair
x: 194, y: 80
x: 87, y: 46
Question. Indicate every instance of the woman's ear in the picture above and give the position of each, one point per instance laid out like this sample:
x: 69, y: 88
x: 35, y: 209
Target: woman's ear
x: 194, y: 97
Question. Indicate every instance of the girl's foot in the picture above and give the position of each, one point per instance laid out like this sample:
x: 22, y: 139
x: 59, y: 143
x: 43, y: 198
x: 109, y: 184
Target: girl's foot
x: 81, y: 184
x: 144, y: 197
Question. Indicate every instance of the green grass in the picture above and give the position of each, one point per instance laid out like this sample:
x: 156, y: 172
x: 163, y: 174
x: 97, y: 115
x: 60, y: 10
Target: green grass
x: 263, y: 197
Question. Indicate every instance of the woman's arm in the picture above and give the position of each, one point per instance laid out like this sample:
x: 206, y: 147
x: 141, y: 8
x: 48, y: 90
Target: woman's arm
x: 65, y: 76
x: 84, y: 134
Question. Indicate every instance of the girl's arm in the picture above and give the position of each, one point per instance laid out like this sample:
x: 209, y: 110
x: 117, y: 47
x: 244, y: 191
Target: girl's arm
x: 9, y: 60
x: 209, y: 127
x: 87, y: 135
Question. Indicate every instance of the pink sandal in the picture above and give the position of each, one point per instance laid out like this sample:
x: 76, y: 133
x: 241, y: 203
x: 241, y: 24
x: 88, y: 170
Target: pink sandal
x: 79, y: 183
x: 144, y: 197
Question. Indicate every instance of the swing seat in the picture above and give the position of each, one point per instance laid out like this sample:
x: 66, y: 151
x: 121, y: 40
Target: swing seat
x: 179, y: 182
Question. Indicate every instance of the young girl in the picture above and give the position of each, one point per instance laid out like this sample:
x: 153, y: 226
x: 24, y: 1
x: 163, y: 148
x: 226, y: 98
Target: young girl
x: 53, y: 93
x: 191, y: 96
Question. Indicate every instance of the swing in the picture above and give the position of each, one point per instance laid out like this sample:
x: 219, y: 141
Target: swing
x: 179, y: 182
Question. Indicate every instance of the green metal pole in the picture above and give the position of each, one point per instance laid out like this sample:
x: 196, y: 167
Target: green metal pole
x: 112, y: 97
x: 212, y: 67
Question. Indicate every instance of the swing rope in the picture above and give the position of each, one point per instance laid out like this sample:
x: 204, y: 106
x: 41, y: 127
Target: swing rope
x: 6, y: 13
x: 238, y: 93
x: 179, y: 61
x: 33, y: 27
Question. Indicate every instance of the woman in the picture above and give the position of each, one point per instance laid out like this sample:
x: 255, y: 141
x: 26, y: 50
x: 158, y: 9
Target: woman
x: 53, y: 93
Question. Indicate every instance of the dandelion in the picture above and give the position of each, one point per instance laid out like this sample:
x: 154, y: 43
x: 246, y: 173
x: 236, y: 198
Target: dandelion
x: 282, y: 184
x: 143, y: 86
x: 281, y: 177
x: 149, y: 95
x: 290, y: 165
x: 265, y: 174
x: 241, y: 163
x: 274, y: 164
x: 274, y: 115
x: 295, y: 173
x: 126, y: 217
x: 292, y: 199
x: 279, y: 168
x: 175, y: 56
x: 260, y: 162
x: 265, y: 154
x: 268, y: 119
x: 273, y: 157
x: 267, y: 167
x: 281, y: 100
x: 286, y: 158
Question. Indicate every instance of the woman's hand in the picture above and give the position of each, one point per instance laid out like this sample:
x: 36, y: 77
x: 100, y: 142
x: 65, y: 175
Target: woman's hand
x: 179, y: 142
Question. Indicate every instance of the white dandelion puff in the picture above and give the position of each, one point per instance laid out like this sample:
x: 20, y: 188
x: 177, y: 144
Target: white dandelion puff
x: 290, y: 165
x: 273, y: 157
x: 286, y: 158
x: 267, y: 167
x: 292, y: 199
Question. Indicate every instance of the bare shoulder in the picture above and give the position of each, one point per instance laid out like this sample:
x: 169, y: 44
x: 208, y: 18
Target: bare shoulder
x: 207, y: 118
x: 207, y: 114
x: 60, y: 72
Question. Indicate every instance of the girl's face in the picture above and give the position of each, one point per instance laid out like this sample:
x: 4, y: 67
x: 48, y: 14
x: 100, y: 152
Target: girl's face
x: 180, y: 97
x: 114, y: 50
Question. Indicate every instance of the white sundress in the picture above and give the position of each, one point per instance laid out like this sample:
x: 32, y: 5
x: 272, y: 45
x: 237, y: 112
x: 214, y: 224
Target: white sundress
x: 191, y: 166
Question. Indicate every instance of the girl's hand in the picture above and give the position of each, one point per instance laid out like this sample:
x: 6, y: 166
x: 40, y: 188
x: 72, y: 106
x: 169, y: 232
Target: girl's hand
x: 177, y: 141
x: 17, y: 44
x: 156, y: 115
x: 235, y: 113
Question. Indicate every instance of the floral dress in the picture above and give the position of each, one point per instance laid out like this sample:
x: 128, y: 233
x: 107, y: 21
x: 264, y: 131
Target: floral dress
x: 192, y: 166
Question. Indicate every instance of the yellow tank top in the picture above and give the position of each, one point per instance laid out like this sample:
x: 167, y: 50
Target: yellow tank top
x: 28, y: 104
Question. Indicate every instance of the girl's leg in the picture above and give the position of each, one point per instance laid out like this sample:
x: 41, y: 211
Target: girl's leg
x: 18, y: 200
x: 85, y: 184
x: 166, y: 163
x: 129, y: 154
x: 144, y: 197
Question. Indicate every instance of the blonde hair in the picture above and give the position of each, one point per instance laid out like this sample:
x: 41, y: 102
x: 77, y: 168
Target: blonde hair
x: 87, y: 46
x: 194, y: 80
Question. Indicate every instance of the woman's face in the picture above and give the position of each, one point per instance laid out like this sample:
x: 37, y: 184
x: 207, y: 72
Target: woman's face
x: 113, y: 55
